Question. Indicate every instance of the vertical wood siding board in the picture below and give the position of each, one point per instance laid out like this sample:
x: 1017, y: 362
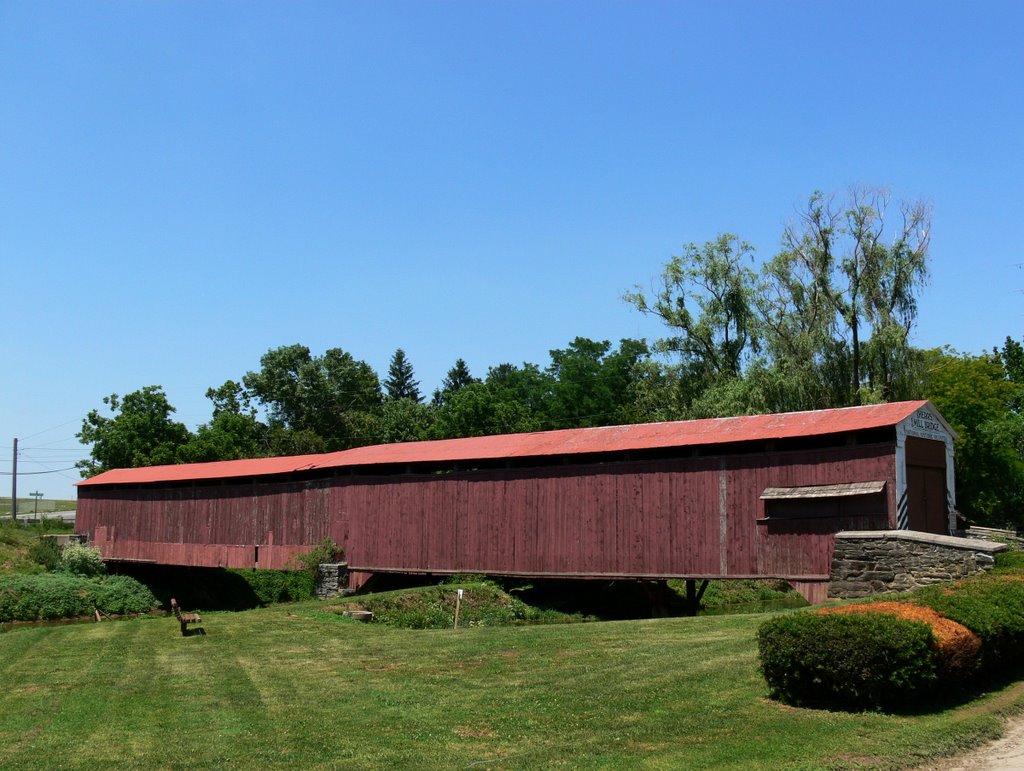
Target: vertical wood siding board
x: 515, y: 516
x: 628, y: 513
x: 474, y: 511
x: 432, y: 500
x: 677, y: 523
x: 405, y: 525
x: 410, y: 511
x: 493, y: 523
x: 463, y: 516
x: 484, y: 553
x: 592, y: 544
x: 582, y: 521
x: 460, y: 524
x: 378, y: 535
x: 572, y: 494
x: 648, y: 523
x: 483, y: 524
x: 534, y: 558
x: 662, y: 521
x: 406, y: 516
x: 527, y: 532
x: 595, y: 532
x: 528, y: 553
x: 511, y: 511
x: 493, y: 530
x: 624, y: 536
x: 433, y: 491
x: 569, y: 507
x: 451, y: 521
x: 336, y: 517
x: 549, y: 527
x: 436, y: 527
x: 518, y: 523
x: 582, y: 518
x: 448, y: 522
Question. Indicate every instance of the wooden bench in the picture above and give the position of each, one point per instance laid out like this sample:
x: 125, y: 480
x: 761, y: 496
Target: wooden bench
x: 185, y: 619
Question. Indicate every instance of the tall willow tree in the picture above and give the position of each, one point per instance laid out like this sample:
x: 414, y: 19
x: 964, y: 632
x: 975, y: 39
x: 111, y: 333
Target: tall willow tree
x: 705, y: 297
x: 852, y: 288
x: 825, y: 323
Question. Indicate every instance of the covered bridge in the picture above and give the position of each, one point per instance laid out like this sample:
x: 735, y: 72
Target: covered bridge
x: 742, y: 497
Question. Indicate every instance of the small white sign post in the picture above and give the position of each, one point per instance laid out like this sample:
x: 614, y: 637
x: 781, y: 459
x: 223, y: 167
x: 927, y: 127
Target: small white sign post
x: 458, y: 605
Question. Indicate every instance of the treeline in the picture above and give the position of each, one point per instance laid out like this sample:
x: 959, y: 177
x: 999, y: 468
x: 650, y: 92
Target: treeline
x: 824, y: 323
x: 298, y: 403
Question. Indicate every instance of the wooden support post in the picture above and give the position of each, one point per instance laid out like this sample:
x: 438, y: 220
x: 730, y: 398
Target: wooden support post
x: 694, y: 595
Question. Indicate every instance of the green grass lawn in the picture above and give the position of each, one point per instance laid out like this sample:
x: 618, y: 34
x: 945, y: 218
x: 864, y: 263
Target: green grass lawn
x: 292, y: 687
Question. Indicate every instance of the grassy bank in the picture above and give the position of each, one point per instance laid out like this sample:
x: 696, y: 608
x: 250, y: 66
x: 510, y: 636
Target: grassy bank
x: 291, y: 686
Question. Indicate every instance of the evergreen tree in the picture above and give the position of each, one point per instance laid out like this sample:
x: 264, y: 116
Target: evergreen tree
x: 400, y: 383
x: 458, y: 377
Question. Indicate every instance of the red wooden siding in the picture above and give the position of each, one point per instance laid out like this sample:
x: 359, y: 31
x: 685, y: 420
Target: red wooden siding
x: 658, y: 518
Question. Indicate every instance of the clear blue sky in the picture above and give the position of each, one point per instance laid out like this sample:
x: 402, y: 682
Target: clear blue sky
x: 185, y: 185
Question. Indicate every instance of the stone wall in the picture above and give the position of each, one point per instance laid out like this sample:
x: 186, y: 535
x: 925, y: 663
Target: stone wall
x: 331, y: 580
x: 878, y: 561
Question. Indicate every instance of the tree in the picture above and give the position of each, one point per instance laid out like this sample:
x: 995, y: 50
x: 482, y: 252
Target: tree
x: 458, y: 377
x: 826, y: 323
x: 404, y: 420
x: 482, y: 409
x: 233, y: 433
x: 591, y: 382
x: 400, y: 383
x: 976, y: 396
x: 706, y: 298
x: 140, y: 432
x: 527, y: 386
x: 327, y: 400
x: 836, y: 257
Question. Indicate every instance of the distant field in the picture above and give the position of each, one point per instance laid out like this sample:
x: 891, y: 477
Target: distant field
x: 293, y: 687
x: 28, y: 505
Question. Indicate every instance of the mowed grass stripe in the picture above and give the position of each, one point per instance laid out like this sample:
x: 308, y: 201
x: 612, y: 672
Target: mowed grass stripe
x: 289, y: 687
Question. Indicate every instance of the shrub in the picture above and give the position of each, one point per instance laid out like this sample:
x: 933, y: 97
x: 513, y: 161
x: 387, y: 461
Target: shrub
x: 851, y: 661
x: 45, y: 552
x: 279, y: 585
x: 325, y: 551
x: 123, y: 594
x: 44, y: 596
x: 1011, y: 561
x: 82, y: 560
x: 957, y: 647
x: 483, y: 604
x: 990, y: 606
x: 64, y: 595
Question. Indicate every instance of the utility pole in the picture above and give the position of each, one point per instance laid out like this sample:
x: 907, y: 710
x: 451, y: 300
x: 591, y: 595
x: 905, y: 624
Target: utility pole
x: 14, y: 484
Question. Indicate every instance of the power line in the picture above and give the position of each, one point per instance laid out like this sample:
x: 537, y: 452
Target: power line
x: 33, y: 473
x: 52, y: 428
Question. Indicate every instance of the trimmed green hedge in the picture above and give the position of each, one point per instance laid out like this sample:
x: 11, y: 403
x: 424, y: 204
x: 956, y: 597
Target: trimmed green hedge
x: 63, y: 595
x: 990, y: 606
x: 876, y: 660
x: 852, y: 661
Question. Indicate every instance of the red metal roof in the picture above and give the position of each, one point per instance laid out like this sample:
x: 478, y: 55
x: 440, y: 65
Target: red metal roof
x: 574, y: 441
